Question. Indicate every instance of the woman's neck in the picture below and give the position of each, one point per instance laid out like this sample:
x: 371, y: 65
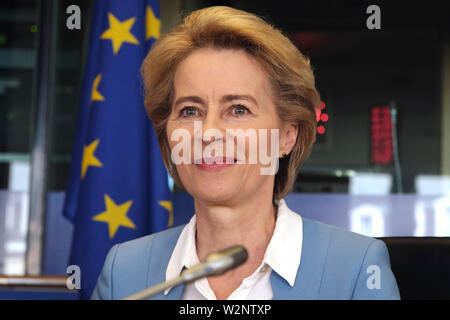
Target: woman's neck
x: 249, y: 223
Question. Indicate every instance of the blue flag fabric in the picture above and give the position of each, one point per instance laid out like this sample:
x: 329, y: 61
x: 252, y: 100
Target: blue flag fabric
x: 118, y: 187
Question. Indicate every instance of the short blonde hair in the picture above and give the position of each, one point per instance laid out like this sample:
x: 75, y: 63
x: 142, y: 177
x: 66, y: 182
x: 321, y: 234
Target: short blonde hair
x: 288, y: 71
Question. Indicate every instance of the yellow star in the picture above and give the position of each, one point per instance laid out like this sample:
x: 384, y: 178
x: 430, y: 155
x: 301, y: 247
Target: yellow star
x: 168, y: 206
x: 89, y: 158
x: 153, y: 24
x: 119, y: 32
x: 95, y: 95
x: 115, y: 216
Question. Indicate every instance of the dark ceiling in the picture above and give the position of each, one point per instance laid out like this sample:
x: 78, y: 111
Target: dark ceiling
x: 324, y: 14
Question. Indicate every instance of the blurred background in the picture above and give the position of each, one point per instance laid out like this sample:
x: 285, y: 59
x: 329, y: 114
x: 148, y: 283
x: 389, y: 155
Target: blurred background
x: 380, y: 164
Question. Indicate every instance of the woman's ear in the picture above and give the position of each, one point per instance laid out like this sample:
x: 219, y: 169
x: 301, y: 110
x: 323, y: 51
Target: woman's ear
x: 288, y: 138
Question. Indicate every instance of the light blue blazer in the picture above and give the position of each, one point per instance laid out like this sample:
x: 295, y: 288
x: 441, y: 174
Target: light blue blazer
x: 335, y: 264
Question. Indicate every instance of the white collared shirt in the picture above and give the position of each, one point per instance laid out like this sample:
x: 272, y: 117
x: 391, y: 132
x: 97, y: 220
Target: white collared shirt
x: 282, y: 256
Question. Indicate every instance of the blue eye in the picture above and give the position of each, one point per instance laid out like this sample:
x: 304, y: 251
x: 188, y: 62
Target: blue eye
x: 188, y: 112
x: 240, y: 110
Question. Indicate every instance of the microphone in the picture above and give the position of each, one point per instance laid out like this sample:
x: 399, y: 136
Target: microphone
x: 215, y: 264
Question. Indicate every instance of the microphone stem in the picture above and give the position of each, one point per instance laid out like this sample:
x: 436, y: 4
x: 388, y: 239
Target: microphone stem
x: 150, y: 292
x: 216, y: 264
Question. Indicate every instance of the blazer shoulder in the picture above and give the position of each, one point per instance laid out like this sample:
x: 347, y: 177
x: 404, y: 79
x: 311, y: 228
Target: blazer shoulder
x: 337, y: 238
x: 349, y: 259
x: 135, y: 256
x: 127, y: 267
x: 343, y: 250
x: 137, y: 247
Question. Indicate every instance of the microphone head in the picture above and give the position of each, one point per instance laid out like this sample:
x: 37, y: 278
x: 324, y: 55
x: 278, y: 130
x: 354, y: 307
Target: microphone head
x: 216, y: 263
x: 227, y: 259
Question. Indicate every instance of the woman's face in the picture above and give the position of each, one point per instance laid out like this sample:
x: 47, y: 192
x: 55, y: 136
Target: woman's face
x: 224, y: 90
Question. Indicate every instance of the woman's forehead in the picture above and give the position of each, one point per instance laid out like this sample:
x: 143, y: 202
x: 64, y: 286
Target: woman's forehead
x: 220, y: 72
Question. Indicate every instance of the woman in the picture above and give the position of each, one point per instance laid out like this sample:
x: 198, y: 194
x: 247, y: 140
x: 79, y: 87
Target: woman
x: 221, y: 71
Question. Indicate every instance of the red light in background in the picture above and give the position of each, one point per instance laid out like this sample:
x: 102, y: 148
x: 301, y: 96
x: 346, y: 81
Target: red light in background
x: 321, y: 115
x: 311, y: 42
x: 320, y: 129
x: 381, y: 136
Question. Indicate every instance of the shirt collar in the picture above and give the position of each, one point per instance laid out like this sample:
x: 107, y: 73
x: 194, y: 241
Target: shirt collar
x: 283, y: 253
x: 184, y: 254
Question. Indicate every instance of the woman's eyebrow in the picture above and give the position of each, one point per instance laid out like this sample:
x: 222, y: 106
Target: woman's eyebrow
x: 195, y: 99
x: 224, y: 99
x: 231, y: 97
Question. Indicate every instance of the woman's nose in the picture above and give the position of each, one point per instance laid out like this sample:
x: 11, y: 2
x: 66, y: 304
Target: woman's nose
x: 211, y: 129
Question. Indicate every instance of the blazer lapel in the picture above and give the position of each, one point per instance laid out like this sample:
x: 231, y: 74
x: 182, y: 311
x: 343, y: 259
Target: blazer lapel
x: 175, y: 293
x: 305, y: 288
x: 312, y: 263
x: 160, y: 253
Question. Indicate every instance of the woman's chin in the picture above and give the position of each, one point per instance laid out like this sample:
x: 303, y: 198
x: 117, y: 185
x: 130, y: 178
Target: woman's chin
x: 215, y: 193
x: 223, y: 186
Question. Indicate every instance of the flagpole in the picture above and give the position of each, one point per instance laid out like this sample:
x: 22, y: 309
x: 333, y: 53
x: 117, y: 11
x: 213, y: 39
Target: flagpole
x: 42, y: 100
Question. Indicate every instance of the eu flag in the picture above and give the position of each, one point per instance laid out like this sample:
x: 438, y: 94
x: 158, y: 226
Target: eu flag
x: 118, y: 187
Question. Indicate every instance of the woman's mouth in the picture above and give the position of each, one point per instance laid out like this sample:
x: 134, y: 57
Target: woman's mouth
x: 215, y: 163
